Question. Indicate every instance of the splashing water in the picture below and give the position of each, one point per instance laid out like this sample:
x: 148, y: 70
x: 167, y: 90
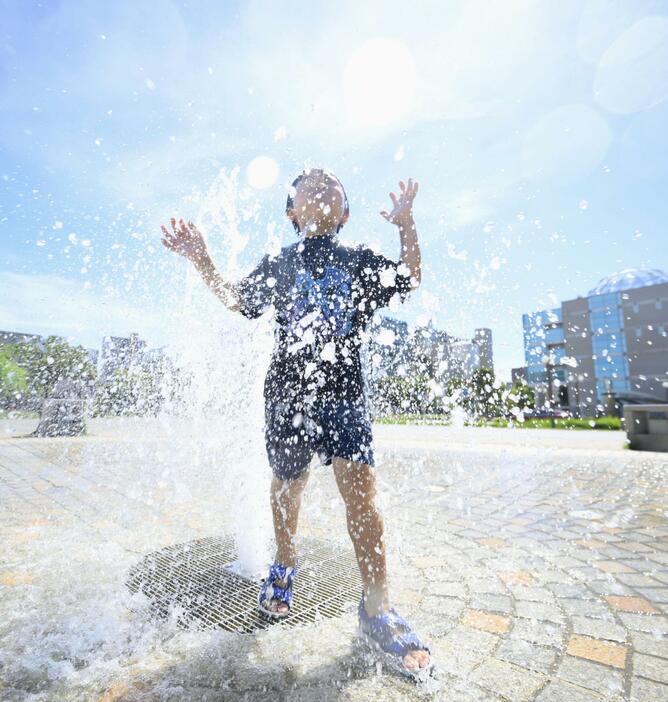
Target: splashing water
x: 225, y: 357
x: 457, y: 416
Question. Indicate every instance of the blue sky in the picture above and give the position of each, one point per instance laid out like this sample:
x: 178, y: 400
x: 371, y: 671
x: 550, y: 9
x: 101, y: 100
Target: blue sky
x: 537, y: 131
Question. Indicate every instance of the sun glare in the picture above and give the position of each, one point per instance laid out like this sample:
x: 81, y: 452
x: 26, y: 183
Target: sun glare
x: 379, y: 82
x: 262, y: 172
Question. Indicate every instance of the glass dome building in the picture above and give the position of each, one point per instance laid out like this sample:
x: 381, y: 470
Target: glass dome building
x: 628, y: 279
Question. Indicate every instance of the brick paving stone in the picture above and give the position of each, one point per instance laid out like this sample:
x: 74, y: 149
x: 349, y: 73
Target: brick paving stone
x: 516, y: 577
x: 644, y: 622
x: 613, y: 567
x: 571, y: 590
x: 648, y: 691
x: 650, y: 667
x: 487, y: 586
x: 442, y: 589
x: 407, y: 597
x: 592, y: 609
x: 658, y: 557
x: 654, y: 645
x: 486, y: 621
x: 531, y: 594
x: 527, y: 654
x: 454, y: 659
x: 513, y: 682
x: 429, y: 561
x: 637, y: 605
x: 654, y: 595
x: 593, y: 676
x: 493, y: 542
x: 538, y: 610
x: 638, y: 580
x: 610, y: 587
x: 492, y: 603
x: 442, y: 606
x: 599, y: 629
x: 591, y: 543
x: 639, y: 565
x: 558, y: 691
x: 597, y: 650
x: 635, y: 546
x: 12, y: 578
x: 548, y: 576
x: 466, y: 638
x: 537, y: 632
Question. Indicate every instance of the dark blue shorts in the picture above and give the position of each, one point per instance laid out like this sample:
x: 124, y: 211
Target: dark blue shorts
x: 295, y: 432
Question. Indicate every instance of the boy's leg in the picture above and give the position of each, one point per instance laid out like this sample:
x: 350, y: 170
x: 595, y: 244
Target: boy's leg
x: 357, y: 485
x: 286, y: 497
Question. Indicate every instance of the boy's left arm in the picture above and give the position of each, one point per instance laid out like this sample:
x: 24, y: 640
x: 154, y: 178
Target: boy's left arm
x: 402, y: 216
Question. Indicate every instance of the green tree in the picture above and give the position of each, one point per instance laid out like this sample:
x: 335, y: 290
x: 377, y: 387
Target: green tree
x: 57, y: 359
x: 129, y: 391
x: 407, y: 395
x: 520, y: 397
x: 484, y: 397
x: 13, y: 378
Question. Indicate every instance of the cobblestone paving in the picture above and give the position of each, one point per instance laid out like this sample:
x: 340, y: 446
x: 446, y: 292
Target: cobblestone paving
x: 534, y: 562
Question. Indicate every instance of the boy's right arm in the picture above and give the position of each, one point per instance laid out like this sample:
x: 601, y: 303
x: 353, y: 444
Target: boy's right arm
x: 221, y: 288
x: 187, y: 241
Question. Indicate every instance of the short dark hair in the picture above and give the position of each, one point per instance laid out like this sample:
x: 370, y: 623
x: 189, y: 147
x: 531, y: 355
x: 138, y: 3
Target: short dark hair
x: 329, y: 176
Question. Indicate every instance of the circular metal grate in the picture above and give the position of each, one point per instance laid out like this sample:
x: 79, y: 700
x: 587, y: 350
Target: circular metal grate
x: 195, y: 580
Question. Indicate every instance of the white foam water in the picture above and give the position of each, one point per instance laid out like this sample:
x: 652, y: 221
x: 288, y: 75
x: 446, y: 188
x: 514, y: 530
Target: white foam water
x: 223, y: 358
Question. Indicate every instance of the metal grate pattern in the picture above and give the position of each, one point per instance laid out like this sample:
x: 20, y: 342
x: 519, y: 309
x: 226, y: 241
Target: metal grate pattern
x: 194, y: 580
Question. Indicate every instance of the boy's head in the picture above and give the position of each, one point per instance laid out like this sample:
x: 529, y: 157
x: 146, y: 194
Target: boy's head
x: 317, y: 203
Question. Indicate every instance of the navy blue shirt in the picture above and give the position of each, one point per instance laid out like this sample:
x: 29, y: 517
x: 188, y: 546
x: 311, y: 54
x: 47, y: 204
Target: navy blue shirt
x: 324, y: 294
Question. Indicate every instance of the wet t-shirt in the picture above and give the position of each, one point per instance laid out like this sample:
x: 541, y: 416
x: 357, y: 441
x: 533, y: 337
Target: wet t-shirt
x: 324, y: 294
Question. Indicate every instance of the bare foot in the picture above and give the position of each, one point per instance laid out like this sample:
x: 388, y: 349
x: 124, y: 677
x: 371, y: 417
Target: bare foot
x: 416, y: 660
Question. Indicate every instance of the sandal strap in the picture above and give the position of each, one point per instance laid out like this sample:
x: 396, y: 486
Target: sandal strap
x: 278, y: 571
x: 270, y: 591
x: 391, y: 631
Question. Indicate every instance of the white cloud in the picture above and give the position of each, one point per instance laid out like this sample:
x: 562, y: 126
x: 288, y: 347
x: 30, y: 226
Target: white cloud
x: 51, y: 304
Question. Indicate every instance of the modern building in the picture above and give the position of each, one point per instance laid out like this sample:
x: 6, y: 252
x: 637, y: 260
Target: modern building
x: 388, y: 345
x: 610, y: 346
x: 483, y: 341
x: 544, y: 351
x: 120, y: 352
x: 424, y: 350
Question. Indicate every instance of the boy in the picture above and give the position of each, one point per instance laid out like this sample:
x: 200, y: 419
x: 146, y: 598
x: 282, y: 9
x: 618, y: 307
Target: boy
x: 323, y: 294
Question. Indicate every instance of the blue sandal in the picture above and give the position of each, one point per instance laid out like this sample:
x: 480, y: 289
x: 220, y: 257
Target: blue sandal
x: 391, y: 636
x: 270, y: 591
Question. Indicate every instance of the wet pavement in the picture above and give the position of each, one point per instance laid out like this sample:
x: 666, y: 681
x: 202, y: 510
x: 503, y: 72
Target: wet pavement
x: 535, y: 562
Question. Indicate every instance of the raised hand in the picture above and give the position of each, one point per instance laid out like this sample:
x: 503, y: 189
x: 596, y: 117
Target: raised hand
x: 185, y: 240
x: 402, y: 210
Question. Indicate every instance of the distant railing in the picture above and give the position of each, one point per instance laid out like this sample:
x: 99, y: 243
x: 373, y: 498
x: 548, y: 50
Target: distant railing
x: 647, y: 426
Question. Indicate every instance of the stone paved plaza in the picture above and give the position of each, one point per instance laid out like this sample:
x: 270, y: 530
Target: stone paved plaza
x: 535, y: 563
